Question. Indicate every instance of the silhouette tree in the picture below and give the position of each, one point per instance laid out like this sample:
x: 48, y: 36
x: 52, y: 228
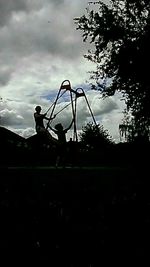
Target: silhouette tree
x: 119, y: 33
x: 94, y: 136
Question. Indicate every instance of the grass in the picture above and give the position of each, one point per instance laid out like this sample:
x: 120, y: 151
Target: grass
x: 74, y: 209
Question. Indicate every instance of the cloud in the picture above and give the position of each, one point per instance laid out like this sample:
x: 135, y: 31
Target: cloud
x: 24, y: 132
x: 30, y: 46
x: 39, y: 49
x: 31, y: 33
x: 10, y: 117
x: 6, y: 9
x: 5, y: 74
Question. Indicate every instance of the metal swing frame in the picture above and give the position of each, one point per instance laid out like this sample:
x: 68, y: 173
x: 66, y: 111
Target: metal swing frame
x: 79, y: 92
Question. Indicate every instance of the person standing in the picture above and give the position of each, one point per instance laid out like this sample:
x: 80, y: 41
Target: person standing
x: 39, y: 123
x: 62, y: 143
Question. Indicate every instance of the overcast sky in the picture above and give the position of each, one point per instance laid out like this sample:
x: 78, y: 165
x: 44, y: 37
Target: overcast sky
x: 39, y: 49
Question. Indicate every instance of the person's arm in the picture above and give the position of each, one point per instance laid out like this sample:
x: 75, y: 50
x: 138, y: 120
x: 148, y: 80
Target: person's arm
x: 69, y: 125
x: 49, y: 119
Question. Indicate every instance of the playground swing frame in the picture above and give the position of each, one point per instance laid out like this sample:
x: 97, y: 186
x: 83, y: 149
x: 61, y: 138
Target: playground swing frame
x: 79, y: 92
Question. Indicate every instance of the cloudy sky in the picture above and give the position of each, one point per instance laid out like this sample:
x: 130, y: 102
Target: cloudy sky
x: 39, y: 49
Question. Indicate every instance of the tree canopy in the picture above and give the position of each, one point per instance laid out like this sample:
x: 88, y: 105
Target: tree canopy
x: 94, y: 136
x: 119, y: 33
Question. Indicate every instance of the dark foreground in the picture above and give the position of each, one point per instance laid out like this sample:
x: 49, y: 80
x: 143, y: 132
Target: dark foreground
x: 76, y: 210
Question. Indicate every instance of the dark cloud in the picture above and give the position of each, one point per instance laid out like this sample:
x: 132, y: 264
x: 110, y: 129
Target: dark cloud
x: 8, y: 7
x: 31, y: 34
x: 56, y: 2
x: 5, y: 74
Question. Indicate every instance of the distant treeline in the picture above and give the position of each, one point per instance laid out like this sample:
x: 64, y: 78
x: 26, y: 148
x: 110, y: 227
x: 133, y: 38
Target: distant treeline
x: 76, y: 155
